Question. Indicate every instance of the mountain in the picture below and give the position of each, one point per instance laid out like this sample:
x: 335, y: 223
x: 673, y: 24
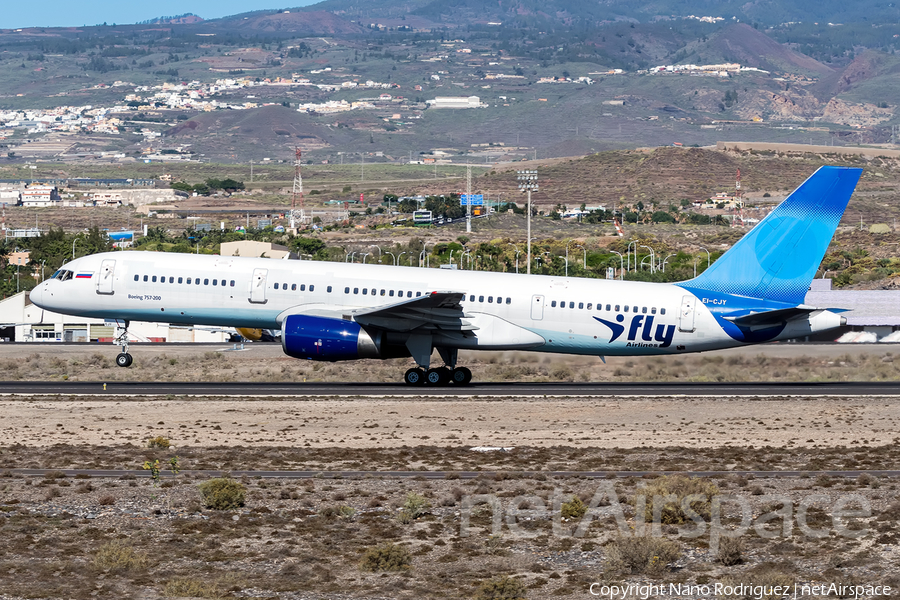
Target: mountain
x: 868, y: 69
x: 743, y: 44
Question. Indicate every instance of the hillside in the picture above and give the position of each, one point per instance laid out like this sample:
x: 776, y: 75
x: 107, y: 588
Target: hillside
x: 743, y: 44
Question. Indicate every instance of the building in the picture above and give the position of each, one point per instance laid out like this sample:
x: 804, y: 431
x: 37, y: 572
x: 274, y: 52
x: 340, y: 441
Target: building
x: 456, y: 102
x: 255, y: 249
x: 37, y: 196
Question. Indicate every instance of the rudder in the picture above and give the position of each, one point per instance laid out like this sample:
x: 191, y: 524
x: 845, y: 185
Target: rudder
x: 779, y: 257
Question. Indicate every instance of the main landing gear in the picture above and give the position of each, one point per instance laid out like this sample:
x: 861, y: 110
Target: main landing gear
x: 438, y: 376
x: 123, y: 359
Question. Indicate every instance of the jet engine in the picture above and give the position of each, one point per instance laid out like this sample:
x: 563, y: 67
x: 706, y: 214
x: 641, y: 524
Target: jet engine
x: 321, y: 338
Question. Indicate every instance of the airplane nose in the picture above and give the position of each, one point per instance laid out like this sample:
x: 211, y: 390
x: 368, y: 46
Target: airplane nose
x: 37, y: 294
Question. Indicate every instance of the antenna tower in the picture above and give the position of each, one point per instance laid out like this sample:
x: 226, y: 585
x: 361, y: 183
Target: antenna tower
x: 738, y: 214
x: 297, y: 194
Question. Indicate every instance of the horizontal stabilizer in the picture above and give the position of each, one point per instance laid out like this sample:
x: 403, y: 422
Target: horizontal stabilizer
x: 771, y: 318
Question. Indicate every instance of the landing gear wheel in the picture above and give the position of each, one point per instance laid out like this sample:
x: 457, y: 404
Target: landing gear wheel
x: 461, y: 376
x: 124, y: 360
x: 414, y: 376
x: 438, y: 376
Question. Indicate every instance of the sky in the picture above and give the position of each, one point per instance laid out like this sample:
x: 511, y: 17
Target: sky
x: 65, y: 13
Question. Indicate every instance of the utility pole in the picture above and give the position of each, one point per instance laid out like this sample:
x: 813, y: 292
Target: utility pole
x: 528, y: 181
x: 468, y: 198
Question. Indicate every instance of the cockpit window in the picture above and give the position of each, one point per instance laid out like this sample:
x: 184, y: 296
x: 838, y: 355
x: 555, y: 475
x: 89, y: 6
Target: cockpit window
x: 63, y: 275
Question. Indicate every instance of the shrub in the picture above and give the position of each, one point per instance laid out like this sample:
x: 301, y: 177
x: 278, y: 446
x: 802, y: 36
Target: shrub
x: 671, y: 513
x: 106, y: 500
x: 766, y: 576
x: 159, y: 442
x: 386, y: 557
x: 337, y: 512
x: 183, y: 587
x: 414, y: 507
x: 730, y: 551
x: 222, y: 493
x: 640, y: 555
x: 574, y: 508
x: 117, y: 555
x: 501, y: 588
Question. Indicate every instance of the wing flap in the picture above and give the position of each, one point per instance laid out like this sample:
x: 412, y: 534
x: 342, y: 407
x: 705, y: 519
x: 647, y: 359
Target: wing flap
x: 771, y: 318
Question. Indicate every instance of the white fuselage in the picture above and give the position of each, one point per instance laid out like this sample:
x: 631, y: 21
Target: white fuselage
x: 535, y: 312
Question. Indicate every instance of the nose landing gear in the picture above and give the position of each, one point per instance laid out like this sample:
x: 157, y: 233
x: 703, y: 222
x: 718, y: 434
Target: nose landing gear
x: 123, y: 359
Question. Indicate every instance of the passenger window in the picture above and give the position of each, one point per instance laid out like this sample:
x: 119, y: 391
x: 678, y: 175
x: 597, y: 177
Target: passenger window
x: 635, y: 308
x: 189, y: 281
x: 617, y: 308
x: 197, y: 281
x: 471, y: 298
x: 382, y: 292
x: 481, y: 298
x: 490, y: 299
x: 214, y: 283
x: 328, y: 289
x: 206, y: 282
x: 145, y: 278
x: 644, y: 310
x: 232, y: 283
x: 283, y: 285
x: 581, y: 305
x: 653, y: 311
x: 303, y: 287
x: 312, y: 288
x: 180, y: 280
x: 508, y: 300
x: 136, y: 277
x: 589, y: 306
x: 171, y: 280
x: 293, y: 287
x: 662, y: 311
x: 418, y: 294
x: 365, y: 291
x: 374, y: 291
x: 346, y: 290
x: 553, y: 304
x: 626, y: 309
x: 355, y: 290
x: 391, y: 294
x: 409, y: 294
x: 154, y: 279
x: 571, y: 305
x: 609, y: 308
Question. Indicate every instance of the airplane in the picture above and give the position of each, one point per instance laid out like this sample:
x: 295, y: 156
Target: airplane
x: 330, y: 311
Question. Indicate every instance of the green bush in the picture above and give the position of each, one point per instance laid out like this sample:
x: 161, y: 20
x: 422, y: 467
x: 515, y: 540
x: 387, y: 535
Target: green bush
x: 414, y: 507
x: 574, y: 508
x: 730, y: 551
x: 159, y: 442
x: 118, y: 556
x: 386, y: 557
x: 183, y: 587
x: 681, y: 487
x: 501, y: 588
x: 222, y: 493
x: 640, y: 555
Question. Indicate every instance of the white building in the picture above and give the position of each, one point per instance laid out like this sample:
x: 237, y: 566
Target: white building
x: 40, y: 195
x: 456, y: 102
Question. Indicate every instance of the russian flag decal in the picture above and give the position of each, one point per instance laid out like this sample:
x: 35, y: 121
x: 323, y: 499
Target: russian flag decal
x: 84, y: 276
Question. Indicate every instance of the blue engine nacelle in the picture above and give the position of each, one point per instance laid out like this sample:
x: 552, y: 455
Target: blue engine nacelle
x: 321, y: 338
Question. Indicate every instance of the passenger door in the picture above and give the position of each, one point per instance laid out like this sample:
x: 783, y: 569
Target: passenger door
x: 537, y: 307
x: 686, y: 316
x: 258, y: 286
x: 105, y: 279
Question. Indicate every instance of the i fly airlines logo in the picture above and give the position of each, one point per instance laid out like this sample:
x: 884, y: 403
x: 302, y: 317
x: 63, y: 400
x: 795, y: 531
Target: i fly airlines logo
x: 643, y: 325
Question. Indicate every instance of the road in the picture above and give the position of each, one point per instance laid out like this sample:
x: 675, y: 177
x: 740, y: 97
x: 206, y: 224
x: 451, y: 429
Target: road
x: 512, y: 390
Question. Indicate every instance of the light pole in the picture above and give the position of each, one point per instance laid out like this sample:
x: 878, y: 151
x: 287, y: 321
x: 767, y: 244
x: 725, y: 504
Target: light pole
x: 379, y: 250
x: 664, y: 262
x: 567, y: 257
x: 73, y: 246
x: 393, y: 258
x: 399, y: 256
x: 364, y: 257
x: 422, y: 254
x: 517, y: 255
x: 702, y: 248
x: 584, y: 258
x: 628, y: 254
x: 652, y: 258
x: 451, y: 258
x: 528, y: 182
x: 621, y: 264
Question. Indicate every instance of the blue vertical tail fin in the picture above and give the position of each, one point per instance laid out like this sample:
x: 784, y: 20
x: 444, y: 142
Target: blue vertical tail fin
x: 779, y: 257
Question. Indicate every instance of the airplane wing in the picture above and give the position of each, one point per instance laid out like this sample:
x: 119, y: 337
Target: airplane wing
x: 771, y: 318
x: 433, y: 311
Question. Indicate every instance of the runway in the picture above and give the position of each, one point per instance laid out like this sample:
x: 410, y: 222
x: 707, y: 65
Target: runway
x: 495, y: 390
